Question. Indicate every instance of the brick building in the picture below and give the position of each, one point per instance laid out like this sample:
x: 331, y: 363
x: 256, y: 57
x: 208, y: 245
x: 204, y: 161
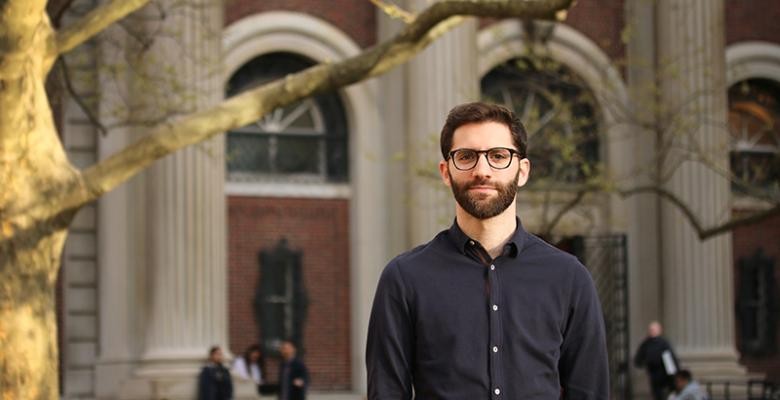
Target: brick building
x: 280, y: 229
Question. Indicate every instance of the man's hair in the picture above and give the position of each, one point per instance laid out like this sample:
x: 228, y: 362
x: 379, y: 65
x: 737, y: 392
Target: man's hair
x: 212, y: 350
x: 684, y: 374
x: 479, y: 112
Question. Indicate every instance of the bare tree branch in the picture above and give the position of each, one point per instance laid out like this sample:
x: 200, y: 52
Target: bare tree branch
x: 251, y: 105
x: 704, y: 233
x: 95, y: 22
x: 394, y: 11
x: 77, y: 97
x: 547, y: 230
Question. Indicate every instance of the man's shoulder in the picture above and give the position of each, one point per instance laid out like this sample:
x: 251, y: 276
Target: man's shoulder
x: 422, y: 253
x: 537, y: 250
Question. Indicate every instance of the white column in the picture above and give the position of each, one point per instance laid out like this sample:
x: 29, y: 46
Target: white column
x: 441, y: 77
x: 185, y: 299
x: 698, y: 300
x: 643, y: 232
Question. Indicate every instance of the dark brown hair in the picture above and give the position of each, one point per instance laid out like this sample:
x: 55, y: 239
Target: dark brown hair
x: 482, y: 112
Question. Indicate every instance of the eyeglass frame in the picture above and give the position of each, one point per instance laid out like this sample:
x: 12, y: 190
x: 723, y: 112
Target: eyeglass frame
x: 512, y: 154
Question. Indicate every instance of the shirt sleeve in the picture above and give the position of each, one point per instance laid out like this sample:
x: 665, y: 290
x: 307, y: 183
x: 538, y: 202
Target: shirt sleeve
x: 389, y: 347
x: 583, y: 365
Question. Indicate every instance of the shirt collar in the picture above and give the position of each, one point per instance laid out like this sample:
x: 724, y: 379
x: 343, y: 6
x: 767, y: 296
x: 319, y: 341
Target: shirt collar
x: 461, y: 240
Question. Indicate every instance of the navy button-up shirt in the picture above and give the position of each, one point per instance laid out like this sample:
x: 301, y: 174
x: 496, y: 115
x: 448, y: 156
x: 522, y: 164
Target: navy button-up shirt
x: 450, y: 323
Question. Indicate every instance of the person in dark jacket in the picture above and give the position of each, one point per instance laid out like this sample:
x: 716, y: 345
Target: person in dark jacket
x: 293, y: 376
x: 214, y: 382
x: 657, y: 356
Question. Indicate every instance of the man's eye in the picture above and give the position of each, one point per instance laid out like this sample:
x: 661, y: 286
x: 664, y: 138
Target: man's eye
x: 499, y: 156
x: 465, y: 155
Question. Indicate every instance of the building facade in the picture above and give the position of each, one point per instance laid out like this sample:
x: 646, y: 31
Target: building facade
x: 280, y: 229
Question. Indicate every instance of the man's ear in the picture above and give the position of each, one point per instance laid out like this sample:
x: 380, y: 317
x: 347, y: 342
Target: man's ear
x: 444, y: 171
x: 524, y: 172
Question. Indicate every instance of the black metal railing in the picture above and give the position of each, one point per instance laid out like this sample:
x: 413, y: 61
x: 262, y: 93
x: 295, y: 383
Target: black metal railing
x: 752, y: 389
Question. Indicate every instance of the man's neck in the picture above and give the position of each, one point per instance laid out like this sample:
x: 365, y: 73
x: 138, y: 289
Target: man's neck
x: 492, y: 233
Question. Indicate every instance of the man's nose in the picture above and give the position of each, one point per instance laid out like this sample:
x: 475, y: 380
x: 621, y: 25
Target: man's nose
x: 482, y: 168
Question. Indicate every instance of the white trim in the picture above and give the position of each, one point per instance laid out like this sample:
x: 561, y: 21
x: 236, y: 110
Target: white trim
x: 505, y: 40
x: 755, y: 59
x: 273, y: 31
x: 286, y: 189
x: 318, y: 40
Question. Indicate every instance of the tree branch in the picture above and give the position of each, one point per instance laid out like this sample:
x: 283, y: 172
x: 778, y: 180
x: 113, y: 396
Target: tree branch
x: 251, y: 105
x: 93, y: 23
x: 565, y: 209
x: 77, y: 98
x: 702, y: 232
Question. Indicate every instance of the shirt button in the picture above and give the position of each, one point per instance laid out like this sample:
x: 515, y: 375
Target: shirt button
x: 497, y: 391
x: 495, y: 349
x: 492, y: 267
x: 471, y: 242
x: 495, y: 307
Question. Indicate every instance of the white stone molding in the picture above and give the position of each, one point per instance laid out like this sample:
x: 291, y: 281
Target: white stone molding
x: 320, y: 41
x: 753, y: 59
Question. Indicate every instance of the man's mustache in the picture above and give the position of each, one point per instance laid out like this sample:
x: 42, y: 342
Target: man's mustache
x: 481, y: 182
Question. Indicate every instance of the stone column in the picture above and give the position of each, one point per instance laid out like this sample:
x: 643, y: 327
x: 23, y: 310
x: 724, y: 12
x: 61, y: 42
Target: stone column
x: 698, y: 299
x: 185, y: 299
x: 645, y: 281
x: 442, y: 76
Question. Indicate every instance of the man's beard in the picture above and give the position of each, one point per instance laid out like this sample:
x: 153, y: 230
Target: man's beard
x: 478, y: 204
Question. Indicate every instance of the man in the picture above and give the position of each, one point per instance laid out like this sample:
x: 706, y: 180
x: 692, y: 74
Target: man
x: 214, y: 382
x: 686, y: 387
x: 293, y: 376
x: 485, y: 310
x: 656, y: 355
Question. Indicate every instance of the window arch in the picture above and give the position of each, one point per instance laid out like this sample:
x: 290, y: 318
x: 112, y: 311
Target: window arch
x: 754, y: 123
x: 304, y: 142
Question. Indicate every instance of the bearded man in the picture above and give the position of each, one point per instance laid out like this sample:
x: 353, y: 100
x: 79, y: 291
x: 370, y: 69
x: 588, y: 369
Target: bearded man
x: 486, y: 310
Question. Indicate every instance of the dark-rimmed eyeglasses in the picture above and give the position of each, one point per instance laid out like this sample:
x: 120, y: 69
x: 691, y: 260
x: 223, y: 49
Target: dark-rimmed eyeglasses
x: 497, y: 157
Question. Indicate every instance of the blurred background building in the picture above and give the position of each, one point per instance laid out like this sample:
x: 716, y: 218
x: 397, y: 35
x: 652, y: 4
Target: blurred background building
x: 281, y: 228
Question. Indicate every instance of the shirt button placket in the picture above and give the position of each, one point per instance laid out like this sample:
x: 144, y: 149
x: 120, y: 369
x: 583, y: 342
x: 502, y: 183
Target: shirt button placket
x: 495, y: 334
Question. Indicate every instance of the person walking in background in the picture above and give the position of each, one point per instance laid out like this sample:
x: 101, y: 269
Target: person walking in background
x: 686, y: 387
x: 214, y: 382
x: 293, y: 376
x: 486, y: 310
x: 657, y: 356
x: 248, y: 365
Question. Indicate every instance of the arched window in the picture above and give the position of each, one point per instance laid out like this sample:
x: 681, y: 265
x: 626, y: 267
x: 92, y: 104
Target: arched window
x: 754, y: 115
x: 558, y: 112
x: 305, y: 142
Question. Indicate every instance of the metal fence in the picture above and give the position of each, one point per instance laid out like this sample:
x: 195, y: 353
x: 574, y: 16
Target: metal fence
x: 606, y: 258
x: 741, y: 390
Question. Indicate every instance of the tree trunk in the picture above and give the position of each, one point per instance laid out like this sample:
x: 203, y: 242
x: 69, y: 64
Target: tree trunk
x: 28, y: 328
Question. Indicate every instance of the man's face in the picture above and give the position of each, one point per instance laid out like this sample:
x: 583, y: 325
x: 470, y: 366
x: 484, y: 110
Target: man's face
x: 680, y: 383
x: 287, y: 350
x: 217, y: 357
x: 483, y: 191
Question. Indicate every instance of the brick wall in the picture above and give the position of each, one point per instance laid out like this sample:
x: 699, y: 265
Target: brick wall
x: 602, y: 21
x: 356, y: 18
x: 319, y: 228
x: 752, y: 20
x: 746, y: 241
